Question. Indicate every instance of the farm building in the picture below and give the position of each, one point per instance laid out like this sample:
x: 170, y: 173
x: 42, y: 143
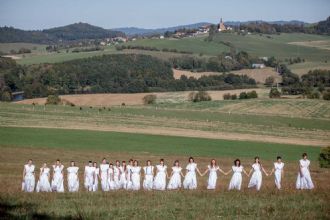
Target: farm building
x: 258, y: 66
x: 17, y: 96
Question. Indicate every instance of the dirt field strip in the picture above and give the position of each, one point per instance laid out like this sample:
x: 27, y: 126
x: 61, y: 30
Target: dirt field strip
x: 116, y: 99
x: 260, y: 75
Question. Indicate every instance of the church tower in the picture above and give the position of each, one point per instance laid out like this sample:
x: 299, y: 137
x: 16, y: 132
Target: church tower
x: 221, y: 26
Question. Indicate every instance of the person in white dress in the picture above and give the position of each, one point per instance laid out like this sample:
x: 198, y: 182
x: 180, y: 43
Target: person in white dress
x: 111, y: 182
x: 213, y: 168
x: 304, y: 179
x: 104, y: 167
x: 160, y: 178
x: 129, y: 173
x: 28, y: 182
x: 43, y: 184
x: 236, y: 179
x: 89, y: 175
x: 278, y: 172
x: 148, y: 176
x: 190, y: 180
x: 135, y: 178
x: 123, y: 175
x: 58, y: 180
x: 96, y: 177
x: 175, y: 180
x: 256, y: 178
x: 73, y: 179
x: 116, y: 175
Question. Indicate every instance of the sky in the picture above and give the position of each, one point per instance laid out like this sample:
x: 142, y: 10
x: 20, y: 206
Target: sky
x: 42, y: 14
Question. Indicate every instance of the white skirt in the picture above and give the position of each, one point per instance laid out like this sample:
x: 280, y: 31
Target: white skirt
x: 304, y: 181
x: 190, y: 181
x: 73, y: 183
x: 57, y: 183
x: 89, y: 183
x: 278, y: 177
x: 256, y: 180
x: 235, y: 182
x: 148, y: 182
x: 104, y: 181
x: 136, y: 184
x: 175, y: 181
x: 29, y: 183
x: 212, y: 181
x: 160, y: 181
x: 43, y: 184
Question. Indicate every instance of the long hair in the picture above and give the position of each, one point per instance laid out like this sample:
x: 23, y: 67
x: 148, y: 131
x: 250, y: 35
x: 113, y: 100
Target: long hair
x: 255, y: 160
x: 215, y: 163
x: 124, y: 166
x: 191, y: 158
x: 162, y: 160
x: 176, y: 161
x: 239, y: 163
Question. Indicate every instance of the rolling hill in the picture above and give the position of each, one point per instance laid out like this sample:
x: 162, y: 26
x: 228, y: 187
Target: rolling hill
x: 70, y: 32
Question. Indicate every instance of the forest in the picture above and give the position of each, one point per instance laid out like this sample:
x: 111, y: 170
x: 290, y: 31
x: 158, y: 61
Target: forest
x: 121, y: 73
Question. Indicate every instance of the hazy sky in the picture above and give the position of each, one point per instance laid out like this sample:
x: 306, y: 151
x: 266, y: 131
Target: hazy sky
x: 40, y: 14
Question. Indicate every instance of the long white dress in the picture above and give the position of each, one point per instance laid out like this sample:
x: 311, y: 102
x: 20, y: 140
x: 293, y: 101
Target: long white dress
x: 256, y: 178
x: 111, y: 182
x: 175, y: 180
x: 89, y: 178
x: 304, y: 179
x: 236, y: 179
x: 190, y: 180
x: 57, y: 182
x: 129, y: 174
x: 96, y: 179
x: 212, y: 181
x: 104, y: 177
x: 148, y: 177
x: 29, y: 178
x: 278, y: 174
x: 160, y: 178
x: 73, y: 180
x: 136, y: 179
x: 123, y: 178
x: 43, y: 184
x: 116, y: 177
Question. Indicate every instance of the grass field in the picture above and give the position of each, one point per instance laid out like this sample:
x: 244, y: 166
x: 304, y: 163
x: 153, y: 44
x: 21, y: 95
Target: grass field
x: 48, y: 144
x: 170, y: 131
x: 304, y: 122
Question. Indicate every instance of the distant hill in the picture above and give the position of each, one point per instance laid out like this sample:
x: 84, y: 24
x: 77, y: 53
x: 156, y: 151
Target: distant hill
x: 141, y: 31
x: 293, y: 22
x: 70, y: 32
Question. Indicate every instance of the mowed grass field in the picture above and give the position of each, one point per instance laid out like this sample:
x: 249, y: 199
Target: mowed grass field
x: 290, y: 121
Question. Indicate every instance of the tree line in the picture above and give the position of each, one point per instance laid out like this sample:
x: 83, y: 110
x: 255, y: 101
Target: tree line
x: 118, y: 73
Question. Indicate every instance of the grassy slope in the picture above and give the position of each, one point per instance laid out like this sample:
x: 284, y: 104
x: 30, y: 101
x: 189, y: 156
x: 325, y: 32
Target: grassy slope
x: 155, y: 144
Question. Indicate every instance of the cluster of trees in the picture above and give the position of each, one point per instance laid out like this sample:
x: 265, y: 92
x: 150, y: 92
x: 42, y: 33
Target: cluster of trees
x: 20, y: 51
x: 87, y: 49
x: 120, y: 73
x: 322, y: 27
x: 137, y: 47
x: 243, y: 95
x: 312, y: 85
x: 71, y: 32
x: 200, y: 96
x: 222, y: 63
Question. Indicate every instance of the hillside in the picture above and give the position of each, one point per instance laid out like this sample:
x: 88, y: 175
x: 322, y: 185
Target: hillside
x: 75, y: 31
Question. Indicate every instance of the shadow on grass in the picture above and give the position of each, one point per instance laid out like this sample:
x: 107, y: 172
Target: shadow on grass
x: 25, y: 211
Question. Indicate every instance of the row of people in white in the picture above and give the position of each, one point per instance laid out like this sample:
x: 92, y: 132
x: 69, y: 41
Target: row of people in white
x: 122, y: 176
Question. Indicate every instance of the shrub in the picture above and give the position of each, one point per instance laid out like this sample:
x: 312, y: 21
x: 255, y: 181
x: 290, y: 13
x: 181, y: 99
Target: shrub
x: 269, y: 81
x: 234, y: 97
x: 149, y: 99
x: 243, y: 95
x: 313, y: 95
x: 252, y: 95
x: 6, y: 96
x: 326, y: 95
x: 53, y: 100
x: 199, y: 96
x: 274, y: 93
x: 226, y: 96
x: 324, y: 158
